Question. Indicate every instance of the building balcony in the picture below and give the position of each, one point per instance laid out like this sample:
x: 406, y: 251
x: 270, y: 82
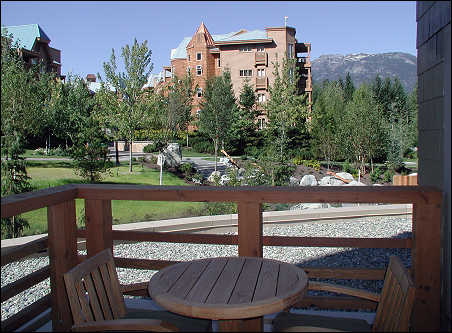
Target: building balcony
x: 304, y: 62
x: 261, y: 83
x: 63, y: 234
x: 261, y: 58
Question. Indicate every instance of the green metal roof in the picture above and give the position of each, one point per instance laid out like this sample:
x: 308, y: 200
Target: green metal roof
x: 181, y: 51
x: 25, y: 34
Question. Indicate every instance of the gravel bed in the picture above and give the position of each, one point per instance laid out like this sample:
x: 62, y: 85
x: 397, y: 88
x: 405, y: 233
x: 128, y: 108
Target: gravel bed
x: 371, y: 227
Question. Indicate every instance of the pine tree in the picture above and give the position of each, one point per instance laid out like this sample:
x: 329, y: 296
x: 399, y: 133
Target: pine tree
x: 349, y: 88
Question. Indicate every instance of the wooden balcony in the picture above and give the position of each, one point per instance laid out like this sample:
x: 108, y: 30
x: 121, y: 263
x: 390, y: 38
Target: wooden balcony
x: 304, y: 61
x: 63, y: 233
x: 261, y: 83
x: 261, y: 58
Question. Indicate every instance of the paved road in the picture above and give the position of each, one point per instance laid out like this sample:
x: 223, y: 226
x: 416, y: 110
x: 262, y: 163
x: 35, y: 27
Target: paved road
x: 205, y: 167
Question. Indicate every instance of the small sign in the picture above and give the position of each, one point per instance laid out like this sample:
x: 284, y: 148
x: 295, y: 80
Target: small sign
x: 160, y: 160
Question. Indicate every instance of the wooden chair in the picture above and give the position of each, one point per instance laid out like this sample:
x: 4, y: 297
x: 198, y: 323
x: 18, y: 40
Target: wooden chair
x: 393, y: 312
x: 97, y: 303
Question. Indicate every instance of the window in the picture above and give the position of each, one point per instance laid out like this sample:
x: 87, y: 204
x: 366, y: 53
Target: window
x: 198, y: 56
x: 188, y: 57
x: 219, y: 62
x: 260, y: 49
x: 261, y: 123
x: 245, y: 49
x: 199, y: 92
x: 261, y: 72
x: 199, y: 70
x: 246, y: 72
x: 261, y: 98
x: 188, y: 70
x: 290, y: 50
x: 198, y: 112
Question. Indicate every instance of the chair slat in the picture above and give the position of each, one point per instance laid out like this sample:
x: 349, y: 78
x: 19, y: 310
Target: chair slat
x: 93, y: 300
x: 86, y: 312
x: 116, y: 288
x: 103, y: 299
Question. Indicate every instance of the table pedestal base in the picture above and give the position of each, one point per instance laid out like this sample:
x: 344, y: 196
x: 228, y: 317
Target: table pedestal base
x: 242, y: 325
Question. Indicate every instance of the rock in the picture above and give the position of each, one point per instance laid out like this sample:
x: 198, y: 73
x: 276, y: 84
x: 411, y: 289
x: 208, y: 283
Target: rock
x: 312, y: 205
x: 173, y: 155
x: 224, y: 179
x: 345, y: 175
x: 330, y: 181
x: 293, y: 181
x: 377, y: 185
x: 355, y: 183
x: 213, y: 175
x: 308, y: 180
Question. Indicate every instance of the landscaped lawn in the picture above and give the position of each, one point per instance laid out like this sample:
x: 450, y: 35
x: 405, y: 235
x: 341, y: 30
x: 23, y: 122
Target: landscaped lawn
x: 46, y: 174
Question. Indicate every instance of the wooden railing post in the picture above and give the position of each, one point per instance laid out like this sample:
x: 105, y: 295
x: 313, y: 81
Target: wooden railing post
x: 250, y: 245
x: 98, y: 226
x: 62, y: 242
x: 250, y: 229
x: 426, y: 265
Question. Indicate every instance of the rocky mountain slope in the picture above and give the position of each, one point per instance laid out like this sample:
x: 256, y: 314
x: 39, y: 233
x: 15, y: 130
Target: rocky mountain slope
x: 364, y: 67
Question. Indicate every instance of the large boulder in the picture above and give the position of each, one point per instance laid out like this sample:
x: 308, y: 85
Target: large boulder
x: 224, y: 179
x: 173, y: 155
x: 213, y: 175
x: 345, y: 175
x: 330, y: 181
x: 355, y: 183
x: 310, y: 205
x: 308, y: 180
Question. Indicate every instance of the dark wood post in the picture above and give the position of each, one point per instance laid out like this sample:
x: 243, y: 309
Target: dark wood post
x: 98, y: 226
x: 62, y: 230
x: 426, y: 265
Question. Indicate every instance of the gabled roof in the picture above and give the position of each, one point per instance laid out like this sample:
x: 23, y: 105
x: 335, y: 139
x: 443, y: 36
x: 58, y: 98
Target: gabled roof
x: 208, y: 38
x: 236, y: 36
x: 26, y: 34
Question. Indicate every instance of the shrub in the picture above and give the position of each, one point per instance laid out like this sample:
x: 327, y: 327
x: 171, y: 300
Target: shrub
x: 375, y: 175
x: 307, y: 163
x: 154, y: 147
x: 186, y: 168
x: 387, y: 176
x: 347, y: 167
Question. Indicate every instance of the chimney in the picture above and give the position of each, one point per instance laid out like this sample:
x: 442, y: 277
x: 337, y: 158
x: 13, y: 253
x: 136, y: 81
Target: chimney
x: 91, y: 78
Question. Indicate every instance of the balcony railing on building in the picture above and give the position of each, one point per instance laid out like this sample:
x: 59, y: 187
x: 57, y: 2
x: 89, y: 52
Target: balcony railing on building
x: 261, y: 83
x: 261, y: 58
x: 63, y: 233
x: 304, y: 61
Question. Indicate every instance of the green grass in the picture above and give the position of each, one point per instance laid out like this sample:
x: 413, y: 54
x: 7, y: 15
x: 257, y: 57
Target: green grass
x: 190, y: 153
x: 54, y: 173
x: 32, y: 153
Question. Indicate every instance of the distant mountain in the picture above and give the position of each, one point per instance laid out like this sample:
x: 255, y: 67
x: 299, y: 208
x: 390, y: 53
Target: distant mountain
x: 364, y: 67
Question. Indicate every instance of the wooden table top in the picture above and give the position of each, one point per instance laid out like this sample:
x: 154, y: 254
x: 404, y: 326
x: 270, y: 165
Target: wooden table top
x: 228, y: 287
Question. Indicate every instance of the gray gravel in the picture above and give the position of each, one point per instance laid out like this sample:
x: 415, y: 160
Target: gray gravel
x: 372, y: 227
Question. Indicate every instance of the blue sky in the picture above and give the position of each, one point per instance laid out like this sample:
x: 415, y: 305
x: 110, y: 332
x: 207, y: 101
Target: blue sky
x: 85, y: 32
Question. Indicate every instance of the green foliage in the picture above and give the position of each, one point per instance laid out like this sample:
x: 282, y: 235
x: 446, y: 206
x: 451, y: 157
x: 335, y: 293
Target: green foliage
x: 244, y: 128
x: 220, y: 208
x: 307, y: 163
x: 349, y: 88
x: 130, y: 107
x: 327, y: 115
x: 376, y: 175
x: 154, y: 147
x: 90, y: 152
x: 186, y: 169
x: 347, y: 167
x: 387, y: 176
x: 218, y: 107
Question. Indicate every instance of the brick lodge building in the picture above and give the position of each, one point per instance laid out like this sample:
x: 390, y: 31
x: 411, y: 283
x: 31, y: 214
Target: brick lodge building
x: 247, y: 54
x: 34, y: 47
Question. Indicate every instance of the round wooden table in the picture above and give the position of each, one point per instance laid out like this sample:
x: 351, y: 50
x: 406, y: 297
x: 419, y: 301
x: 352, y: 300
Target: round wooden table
x: 228, y: 288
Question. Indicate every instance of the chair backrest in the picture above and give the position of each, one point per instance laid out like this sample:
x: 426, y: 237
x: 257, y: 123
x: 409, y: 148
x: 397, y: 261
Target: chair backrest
x: 396, y: 300
x: 94, y: 291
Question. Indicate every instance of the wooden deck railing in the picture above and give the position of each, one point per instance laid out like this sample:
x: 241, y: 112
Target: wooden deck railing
x: 63, y: 234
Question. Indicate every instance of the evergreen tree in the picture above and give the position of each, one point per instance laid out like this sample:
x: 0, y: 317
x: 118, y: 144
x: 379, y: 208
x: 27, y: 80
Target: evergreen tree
x: 349, y: 88
x: 244, y: 126
x: 217, y: 111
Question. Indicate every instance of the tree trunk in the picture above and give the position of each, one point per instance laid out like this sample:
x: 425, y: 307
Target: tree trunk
x: 130, y: 156
x: 216, y: 152
x: 116, y: 153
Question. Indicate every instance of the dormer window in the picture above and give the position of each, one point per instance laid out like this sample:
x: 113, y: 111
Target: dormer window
x: 198, y: 56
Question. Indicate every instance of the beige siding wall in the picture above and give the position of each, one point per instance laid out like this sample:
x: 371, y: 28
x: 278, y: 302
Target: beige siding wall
x: 434, y: 125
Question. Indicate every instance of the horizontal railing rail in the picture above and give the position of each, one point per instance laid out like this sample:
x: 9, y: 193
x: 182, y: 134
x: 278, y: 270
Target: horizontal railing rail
x: 63, y: 234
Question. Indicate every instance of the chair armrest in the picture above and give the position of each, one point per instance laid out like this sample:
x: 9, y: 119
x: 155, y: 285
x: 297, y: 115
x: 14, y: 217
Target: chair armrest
x: 154, y: 325
x: 323, y: 286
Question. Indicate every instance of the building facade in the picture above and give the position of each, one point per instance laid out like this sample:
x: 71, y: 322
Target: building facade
x: 248, y: 55
x: 34, y: 47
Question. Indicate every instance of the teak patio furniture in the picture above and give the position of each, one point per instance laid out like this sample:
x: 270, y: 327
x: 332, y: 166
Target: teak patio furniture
x: 97, y: 303
x: 393, y: 314
x: 237, y: 291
